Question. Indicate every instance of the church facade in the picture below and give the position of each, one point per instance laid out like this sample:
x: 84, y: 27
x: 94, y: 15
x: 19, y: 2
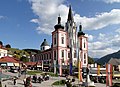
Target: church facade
x: 68, y: 46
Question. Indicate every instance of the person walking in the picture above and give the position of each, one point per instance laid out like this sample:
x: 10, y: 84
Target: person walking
x: 24, y: 81
x: 14, y: 81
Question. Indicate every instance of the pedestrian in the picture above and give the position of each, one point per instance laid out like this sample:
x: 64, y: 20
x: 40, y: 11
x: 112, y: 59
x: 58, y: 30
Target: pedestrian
x: 24, y: 81
x: 14, y: 81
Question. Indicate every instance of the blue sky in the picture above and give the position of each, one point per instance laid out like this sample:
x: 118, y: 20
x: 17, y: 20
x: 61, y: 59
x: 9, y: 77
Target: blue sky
x: 25, y: 23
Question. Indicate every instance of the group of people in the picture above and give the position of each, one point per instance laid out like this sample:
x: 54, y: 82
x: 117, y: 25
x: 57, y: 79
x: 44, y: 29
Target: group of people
x: 27, y: 82
x: 69, y: 81
x: 40, y: 78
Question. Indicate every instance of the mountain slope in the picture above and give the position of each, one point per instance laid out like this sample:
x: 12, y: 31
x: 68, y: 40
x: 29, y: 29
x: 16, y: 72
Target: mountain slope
x: 106, y: 58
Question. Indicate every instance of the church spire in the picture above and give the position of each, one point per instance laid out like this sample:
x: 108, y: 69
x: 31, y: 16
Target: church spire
x: 70, y: 15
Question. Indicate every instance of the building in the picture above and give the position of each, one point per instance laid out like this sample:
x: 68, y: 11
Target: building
x: 9, y: 61
x: 3, y: 51
x: 68, y: 47
x: 116, y: 63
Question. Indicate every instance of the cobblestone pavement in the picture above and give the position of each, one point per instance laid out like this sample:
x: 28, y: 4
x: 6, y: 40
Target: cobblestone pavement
x: 19, y: 82
x: 9, y: 83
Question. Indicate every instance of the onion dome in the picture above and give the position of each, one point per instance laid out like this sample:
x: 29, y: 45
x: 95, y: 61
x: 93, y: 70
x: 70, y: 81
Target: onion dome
x: 80, y: 31
x: 59, y: 26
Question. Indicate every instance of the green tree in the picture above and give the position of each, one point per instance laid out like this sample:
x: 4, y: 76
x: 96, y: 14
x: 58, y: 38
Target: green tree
x: 24, y: 59
x: 8, y: 46
x: 90, y: 60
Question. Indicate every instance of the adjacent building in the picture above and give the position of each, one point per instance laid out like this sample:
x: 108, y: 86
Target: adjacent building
x: 3, y: 51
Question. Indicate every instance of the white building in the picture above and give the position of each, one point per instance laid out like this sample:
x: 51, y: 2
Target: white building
x: 3, y: 51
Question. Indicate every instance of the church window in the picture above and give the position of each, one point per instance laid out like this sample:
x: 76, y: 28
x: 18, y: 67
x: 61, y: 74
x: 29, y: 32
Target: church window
x: 62, y: 39
x: 84, y: 44
x: 84, y: 58
x: 75, y: 54
x: 54, y: 55
x: 44, y: 57
x: 68, y: 55
x: 62, y: 53
x: 47, y: 56
x: 55, y: 39
x: 62, y: 60
x: 50, y: 55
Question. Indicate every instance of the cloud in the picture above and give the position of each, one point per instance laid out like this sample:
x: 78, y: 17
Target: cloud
x: 90, y: 37
x: 2, y: 17
x: 47, y: 12
x: 99, y: 21
x: 101, y: 36
x: 112, y: 1
x: 105, y: 44
x: 101, y: 53
x: 118, y: 31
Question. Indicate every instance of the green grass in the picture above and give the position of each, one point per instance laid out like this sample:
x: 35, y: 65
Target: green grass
x: 61, y: 82
x: 33, y: 72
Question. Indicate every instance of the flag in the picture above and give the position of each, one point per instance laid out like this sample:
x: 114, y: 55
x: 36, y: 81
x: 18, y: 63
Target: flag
x: 80, y: 71
x: 98, y: 70
x: 109, y: 75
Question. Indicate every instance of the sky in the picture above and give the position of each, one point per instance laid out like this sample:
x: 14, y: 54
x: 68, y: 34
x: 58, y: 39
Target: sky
x: 26, y: 23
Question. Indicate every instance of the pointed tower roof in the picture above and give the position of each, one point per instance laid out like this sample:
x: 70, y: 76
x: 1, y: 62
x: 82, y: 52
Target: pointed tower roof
x: 70, y: 15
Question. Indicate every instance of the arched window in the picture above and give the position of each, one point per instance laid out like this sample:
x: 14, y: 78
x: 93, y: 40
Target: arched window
x: 68, y: 54
x: 75, y: 54
x: 55, y: 40
x: 62, y: 39
x: 50, y: 55
x: 84, y: 58
x: 62, y: 53
x: 84, y: 44
x: 54, y: 55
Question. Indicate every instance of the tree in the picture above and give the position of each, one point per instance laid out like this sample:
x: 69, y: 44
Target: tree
x: 24, y: 59
x: 8, y: 46
x: 90, y: 60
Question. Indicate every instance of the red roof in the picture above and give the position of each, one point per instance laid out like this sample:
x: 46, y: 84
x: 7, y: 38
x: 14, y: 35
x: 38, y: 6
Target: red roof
x: 30, y: 63
x: 8, y: 59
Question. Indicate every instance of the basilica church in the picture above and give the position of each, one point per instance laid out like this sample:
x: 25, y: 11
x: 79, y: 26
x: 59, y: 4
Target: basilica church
x: 67, y: 49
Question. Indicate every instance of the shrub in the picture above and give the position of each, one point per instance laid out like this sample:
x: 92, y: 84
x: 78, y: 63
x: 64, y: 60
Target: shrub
x: 61, y: 82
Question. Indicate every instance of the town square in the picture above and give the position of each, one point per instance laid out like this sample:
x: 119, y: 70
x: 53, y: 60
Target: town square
x: 60, y: 43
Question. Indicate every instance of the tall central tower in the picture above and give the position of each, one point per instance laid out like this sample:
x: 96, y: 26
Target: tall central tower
x: 71, y: 37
